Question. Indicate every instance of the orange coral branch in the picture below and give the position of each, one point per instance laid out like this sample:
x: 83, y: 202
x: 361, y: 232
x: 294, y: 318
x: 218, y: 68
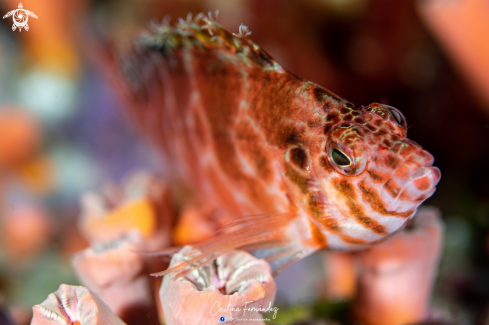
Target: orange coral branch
x: 396, y: 277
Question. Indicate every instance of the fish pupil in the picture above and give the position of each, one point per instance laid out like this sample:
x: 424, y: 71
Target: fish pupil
x: 340, y: 158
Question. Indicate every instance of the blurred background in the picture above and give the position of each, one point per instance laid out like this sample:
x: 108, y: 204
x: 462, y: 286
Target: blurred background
x: 63, y: 130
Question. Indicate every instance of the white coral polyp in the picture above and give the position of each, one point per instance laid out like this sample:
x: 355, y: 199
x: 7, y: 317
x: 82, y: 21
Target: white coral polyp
x: 237, y: 287
x: 73, y: 305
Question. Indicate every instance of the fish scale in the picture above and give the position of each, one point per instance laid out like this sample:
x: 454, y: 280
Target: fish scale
x: 296, y: 167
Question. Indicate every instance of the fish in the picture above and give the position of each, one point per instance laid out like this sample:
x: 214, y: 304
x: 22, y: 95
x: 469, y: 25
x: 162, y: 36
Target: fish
x: 296, y: 167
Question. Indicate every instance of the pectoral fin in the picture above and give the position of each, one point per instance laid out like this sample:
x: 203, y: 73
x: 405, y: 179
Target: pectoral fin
x: 265, y: 235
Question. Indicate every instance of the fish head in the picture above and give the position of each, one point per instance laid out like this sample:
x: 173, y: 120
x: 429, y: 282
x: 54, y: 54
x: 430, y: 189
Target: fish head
x: 371, y: 177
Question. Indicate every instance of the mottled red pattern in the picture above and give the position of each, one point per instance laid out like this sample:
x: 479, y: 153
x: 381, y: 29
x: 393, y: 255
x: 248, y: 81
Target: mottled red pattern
x: 243, y: 134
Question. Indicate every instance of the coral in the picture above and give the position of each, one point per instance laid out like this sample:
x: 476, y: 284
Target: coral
x: 340, y: 275
x: 396, y: 277
x: 118, y: 275
x: 73, y: 305
x: 140, y: 203
x: 235, y: 287
x: 26, y: 231
x: 465, y: 42
x: 25, y: 129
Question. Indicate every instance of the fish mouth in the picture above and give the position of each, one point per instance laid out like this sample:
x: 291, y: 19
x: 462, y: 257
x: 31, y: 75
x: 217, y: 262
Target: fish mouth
x: 411, y: 183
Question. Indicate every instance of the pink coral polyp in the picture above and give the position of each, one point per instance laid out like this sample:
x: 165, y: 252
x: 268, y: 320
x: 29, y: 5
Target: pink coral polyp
x: 237, y: 286
x: 73, y: 305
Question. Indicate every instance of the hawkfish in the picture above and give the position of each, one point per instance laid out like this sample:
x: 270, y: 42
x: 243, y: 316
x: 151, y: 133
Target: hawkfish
x: 297, y: 167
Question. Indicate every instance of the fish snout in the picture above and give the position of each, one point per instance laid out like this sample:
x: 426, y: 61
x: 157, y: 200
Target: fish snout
x: 422, y: 183
x: 412, y: 183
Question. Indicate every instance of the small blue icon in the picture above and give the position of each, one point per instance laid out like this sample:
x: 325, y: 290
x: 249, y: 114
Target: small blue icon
x: 222, y: 319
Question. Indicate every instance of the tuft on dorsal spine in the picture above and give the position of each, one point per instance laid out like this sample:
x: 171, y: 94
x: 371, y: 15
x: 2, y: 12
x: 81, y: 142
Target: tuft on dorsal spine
x: 162, y: 40
x: 190, y: 24
x: 243, y: 31
x: 210, y: 22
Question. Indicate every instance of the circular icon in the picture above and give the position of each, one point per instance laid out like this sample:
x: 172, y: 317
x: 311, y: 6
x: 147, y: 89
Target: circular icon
x: 222, y: 319
x: 20, y: 18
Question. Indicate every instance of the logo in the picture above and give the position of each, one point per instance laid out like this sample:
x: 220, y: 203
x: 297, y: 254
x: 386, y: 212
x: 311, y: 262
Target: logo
x: 21, y: 16
x: 248, y: 307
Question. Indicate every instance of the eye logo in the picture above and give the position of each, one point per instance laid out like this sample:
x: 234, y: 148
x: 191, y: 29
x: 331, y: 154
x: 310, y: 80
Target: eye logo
x: 222, y: 319
x: 20, y: 16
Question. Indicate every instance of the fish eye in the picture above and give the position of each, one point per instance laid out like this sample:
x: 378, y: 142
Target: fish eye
x: 397, y: 115
x: 340, y: 158
x: 349, y: 161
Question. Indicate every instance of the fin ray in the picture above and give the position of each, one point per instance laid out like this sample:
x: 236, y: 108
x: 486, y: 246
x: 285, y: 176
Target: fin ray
x: 258, y: 232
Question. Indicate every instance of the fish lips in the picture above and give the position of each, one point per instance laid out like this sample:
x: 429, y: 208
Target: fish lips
x: 409, y: 187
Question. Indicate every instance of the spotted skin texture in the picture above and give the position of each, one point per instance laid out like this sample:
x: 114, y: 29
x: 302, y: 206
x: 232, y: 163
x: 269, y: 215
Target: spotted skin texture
x: 246, y: 135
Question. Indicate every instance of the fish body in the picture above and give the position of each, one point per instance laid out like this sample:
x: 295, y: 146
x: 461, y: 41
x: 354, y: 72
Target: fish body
x: 296, y: 166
